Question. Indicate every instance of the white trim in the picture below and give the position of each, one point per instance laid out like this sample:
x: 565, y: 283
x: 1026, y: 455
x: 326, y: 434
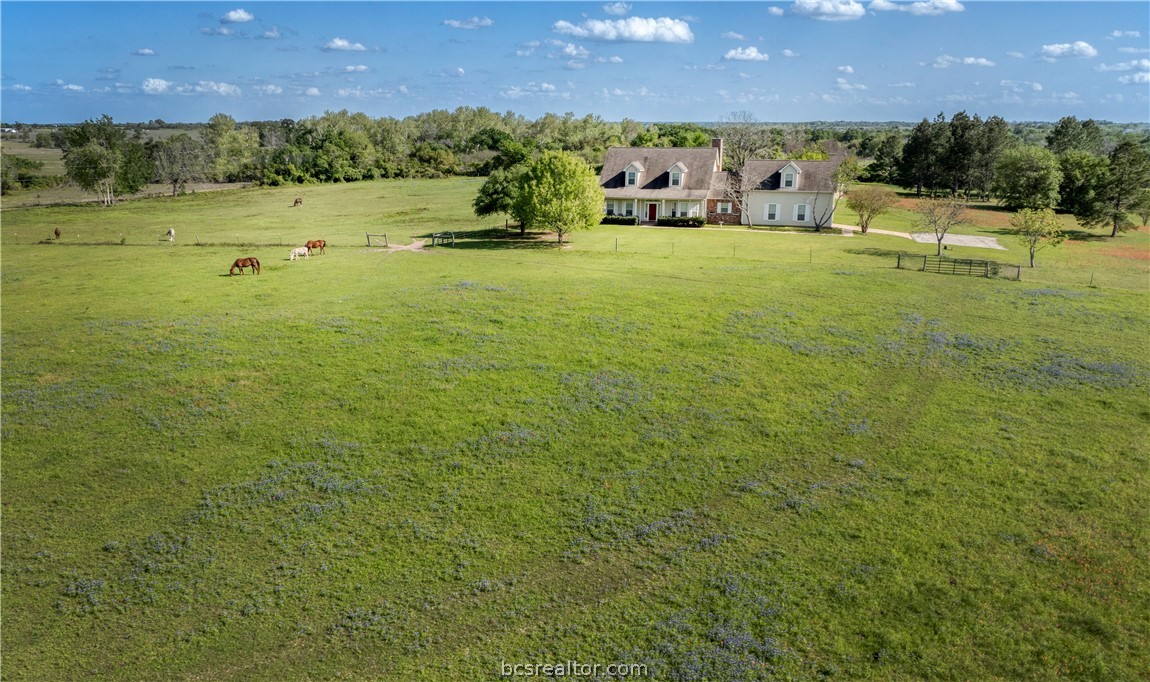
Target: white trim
x: 769, y: 210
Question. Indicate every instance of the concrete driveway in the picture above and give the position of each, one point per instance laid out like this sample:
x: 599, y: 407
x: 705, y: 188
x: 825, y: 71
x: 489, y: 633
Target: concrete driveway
x: 928, y: 238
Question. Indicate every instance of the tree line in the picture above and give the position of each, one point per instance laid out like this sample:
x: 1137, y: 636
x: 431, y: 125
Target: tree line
x: 1096, y: 171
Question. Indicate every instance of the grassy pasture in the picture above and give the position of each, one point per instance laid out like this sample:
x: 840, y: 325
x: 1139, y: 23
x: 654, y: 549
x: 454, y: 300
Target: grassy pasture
x: 756, y: 456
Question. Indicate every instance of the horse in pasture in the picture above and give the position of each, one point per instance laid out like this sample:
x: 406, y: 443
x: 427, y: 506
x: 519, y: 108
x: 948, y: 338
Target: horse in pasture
x: 301, y: 251
x: 171, y: 234
x: 298, y: 202
x: 316, y: 244
x: 241, y: 263
x: 57, y: 233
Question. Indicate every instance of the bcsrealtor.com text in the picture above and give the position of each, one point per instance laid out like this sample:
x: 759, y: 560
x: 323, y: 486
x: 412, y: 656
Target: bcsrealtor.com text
x: 572, y: 669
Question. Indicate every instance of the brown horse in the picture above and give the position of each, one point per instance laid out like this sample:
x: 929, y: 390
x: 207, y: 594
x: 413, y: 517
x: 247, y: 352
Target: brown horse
x: 57, y: 233
x: 316, y: 244
x: 298, y: 202
x: 241, y: 263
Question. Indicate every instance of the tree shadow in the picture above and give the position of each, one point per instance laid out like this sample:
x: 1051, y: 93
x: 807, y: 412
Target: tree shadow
x: 881, y: 253
x: 1072, y: 235
x: 496, y: 238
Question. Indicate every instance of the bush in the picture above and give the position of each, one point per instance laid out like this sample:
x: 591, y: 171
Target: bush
x: 619, y: 220
x: 682, y: 221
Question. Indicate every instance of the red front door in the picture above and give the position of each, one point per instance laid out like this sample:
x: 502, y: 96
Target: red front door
x: 652, y: 212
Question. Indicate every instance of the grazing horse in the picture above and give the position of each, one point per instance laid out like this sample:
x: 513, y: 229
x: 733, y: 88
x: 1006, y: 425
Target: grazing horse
x: 316, y: 244
x: 57, y: 233
x: 301, y: 251
x: 171, y: 234
x: 298, y: 202
x: 241, y: 263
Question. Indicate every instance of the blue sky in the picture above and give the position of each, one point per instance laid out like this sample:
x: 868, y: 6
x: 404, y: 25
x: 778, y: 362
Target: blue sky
x: 802, y: 60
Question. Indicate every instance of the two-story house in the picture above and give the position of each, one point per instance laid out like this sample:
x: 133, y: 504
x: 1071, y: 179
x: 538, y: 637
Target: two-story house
x: 790, y: 192
x: 657, y: 182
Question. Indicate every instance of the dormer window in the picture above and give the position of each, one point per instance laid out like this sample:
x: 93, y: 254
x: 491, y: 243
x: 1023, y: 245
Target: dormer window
x: 675, y: 175
x: 788, y: 180
x: 676, y: 179
x: 631, y: 174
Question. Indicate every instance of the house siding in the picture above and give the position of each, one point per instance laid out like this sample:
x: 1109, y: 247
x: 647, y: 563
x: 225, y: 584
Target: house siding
x: 756, y: 207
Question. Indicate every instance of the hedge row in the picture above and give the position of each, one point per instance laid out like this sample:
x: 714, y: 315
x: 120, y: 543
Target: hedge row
x: 620, y: 220
x: 682, y: 221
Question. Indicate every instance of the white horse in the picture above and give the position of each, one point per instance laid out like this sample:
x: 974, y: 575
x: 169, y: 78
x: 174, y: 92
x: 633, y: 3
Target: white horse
x: 301, y: 251
x: 171, y: 234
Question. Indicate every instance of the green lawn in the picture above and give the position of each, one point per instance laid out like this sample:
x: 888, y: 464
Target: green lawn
x: 722, y: 455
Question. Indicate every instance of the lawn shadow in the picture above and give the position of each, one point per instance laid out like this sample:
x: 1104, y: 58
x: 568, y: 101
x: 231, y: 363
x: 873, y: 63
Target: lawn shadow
x: 872, y: 251
x: 1072, y: 235
x: 498, y: 238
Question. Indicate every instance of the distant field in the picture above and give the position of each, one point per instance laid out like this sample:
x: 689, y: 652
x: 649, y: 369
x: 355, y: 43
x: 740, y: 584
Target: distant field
x: 722, y: 455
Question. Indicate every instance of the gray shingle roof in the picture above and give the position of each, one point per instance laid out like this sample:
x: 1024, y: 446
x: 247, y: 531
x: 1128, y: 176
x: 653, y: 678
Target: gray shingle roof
x: 814, y: 176
x: 655, y: 181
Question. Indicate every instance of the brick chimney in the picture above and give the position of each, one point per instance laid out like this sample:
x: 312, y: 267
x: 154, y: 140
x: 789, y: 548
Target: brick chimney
x: 717, y: 143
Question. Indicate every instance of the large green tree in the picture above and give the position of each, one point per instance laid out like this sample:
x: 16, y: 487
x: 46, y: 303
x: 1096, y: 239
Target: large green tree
x: 179, y: 160
x: 1027, y: 177
x: 560, y: 193
x: 1083, y: 183
x: 99, y: 157
x: 1128, y: 174
x: 497, y: 195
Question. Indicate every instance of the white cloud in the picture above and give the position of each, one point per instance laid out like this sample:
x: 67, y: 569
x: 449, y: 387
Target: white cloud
x: 567, y: 50
x: 155, y: 86
x: 631, y: 29
x: 356, y: 68
x: 945, y: 61
x: 574, y: 65
x: 403, y: 89
x: 1134, y: 50
x: 790, y: 53
x: 1021, y: 86
x: 312, y: 92
x: 775, y: 11
x: 1016, y: 55
x: 145, y: 52
x: 360, y: 93
x: 210, y: 88
x: 272, y: 34
x: 731, y: 35
x: 1125, y: 34
x: 904, y: 84
x: 828, y: 10
x: 21, y: 88
x: 527, y: 49
x: 1137, y: 64
x: 269, y: 89
x: 746, y: 54
x: 70, y: 87
x: 342, y: 45
x: 469, y: 24
x: 617, y: 9
x: 609, y: 60
x: 534, y: 90
x: 237, y: 16
x: 846, y: 69
x: 842, y: 84
x: 928, y: 8
x: 1135, y: 78
x: 1061, y: 50
x: 216, y: 31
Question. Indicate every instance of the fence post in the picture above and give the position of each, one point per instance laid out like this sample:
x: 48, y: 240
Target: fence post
x: 616, y: 245
x: 899, y: 266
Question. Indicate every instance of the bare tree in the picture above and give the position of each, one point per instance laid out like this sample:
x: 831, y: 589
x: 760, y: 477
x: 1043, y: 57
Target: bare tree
x: 937, y: 216
x: 845, y: 173
x: 744, y: 139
